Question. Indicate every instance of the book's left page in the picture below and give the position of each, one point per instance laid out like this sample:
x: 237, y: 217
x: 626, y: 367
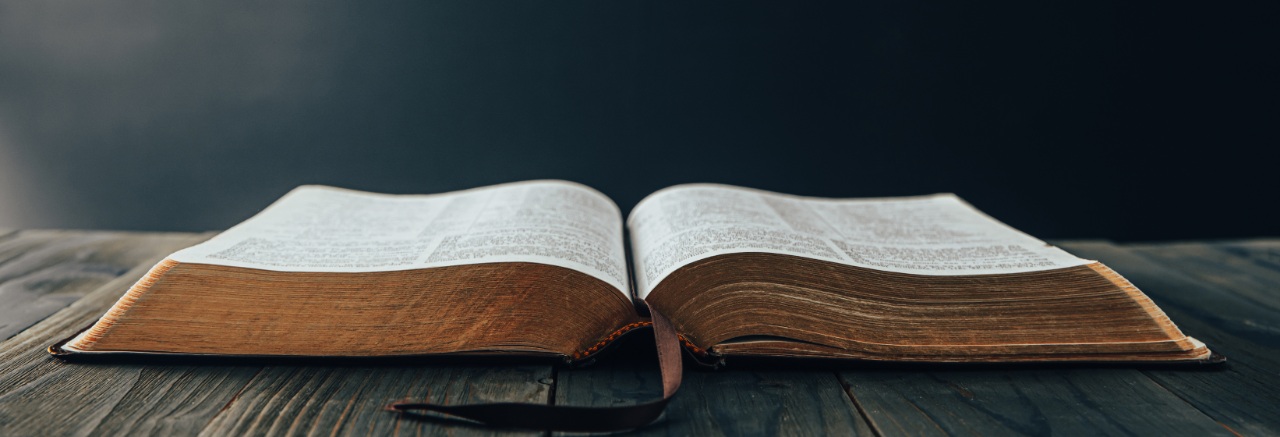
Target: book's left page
x: 530, y: 268
x: 325, y: 229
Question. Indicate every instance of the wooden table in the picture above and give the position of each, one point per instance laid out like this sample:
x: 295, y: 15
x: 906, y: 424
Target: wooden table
x: 53, y: 283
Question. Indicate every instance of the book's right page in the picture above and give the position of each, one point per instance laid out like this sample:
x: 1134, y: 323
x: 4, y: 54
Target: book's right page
x: 937, y: 234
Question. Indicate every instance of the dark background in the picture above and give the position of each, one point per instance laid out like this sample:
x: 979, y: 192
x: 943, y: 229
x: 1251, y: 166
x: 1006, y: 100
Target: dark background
x: 1083, y: 119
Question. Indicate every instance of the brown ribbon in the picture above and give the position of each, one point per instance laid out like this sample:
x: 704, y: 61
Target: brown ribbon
x: 571, y: 418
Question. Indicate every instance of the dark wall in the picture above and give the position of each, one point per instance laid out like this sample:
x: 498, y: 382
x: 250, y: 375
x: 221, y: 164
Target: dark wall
x: 1083, y: 119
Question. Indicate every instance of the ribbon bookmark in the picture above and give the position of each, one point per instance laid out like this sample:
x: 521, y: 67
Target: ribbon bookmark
x: 570, y: 418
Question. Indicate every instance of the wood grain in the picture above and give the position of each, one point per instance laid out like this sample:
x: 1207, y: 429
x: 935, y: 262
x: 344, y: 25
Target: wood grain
x: 1262, y: 252
x: 174, y: 400
x: 1228, y: 316
x: 728, y: 402
x: 1023, y: 402
x: 40, y: 395
x: 42, y: 272
x: 318, y: 400
x: 1218, y: 265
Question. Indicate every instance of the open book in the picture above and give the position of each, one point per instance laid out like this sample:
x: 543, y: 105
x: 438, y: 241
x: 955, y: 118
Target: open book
x: 541, y: 268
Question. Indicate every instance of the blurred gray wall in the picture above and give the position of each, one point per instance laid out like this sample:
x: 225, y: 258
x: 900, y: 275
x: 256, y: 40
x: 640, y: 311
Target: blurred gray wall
x: 1099, y: 119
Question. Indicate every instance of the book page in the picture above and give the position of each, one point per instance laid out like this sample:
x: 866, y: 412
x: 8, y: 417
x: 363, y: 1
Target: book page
x: 326, y: 229
x: 926, y: 235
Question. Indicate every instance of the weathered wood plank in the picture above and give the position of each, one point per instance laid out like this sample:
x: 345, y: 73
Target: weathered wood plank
x: 1219, y: 266
x: 318, y: 400
x: 1261, y: 243
x: 1023, y: 402
x: 1262, y: 252
x: 40, y: 395
x: 42, y: 272
x: 119, y: 400
x: 727, y: 402
x: 1225, y: 315
x: 28, y: 346
x: 174, y: 400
